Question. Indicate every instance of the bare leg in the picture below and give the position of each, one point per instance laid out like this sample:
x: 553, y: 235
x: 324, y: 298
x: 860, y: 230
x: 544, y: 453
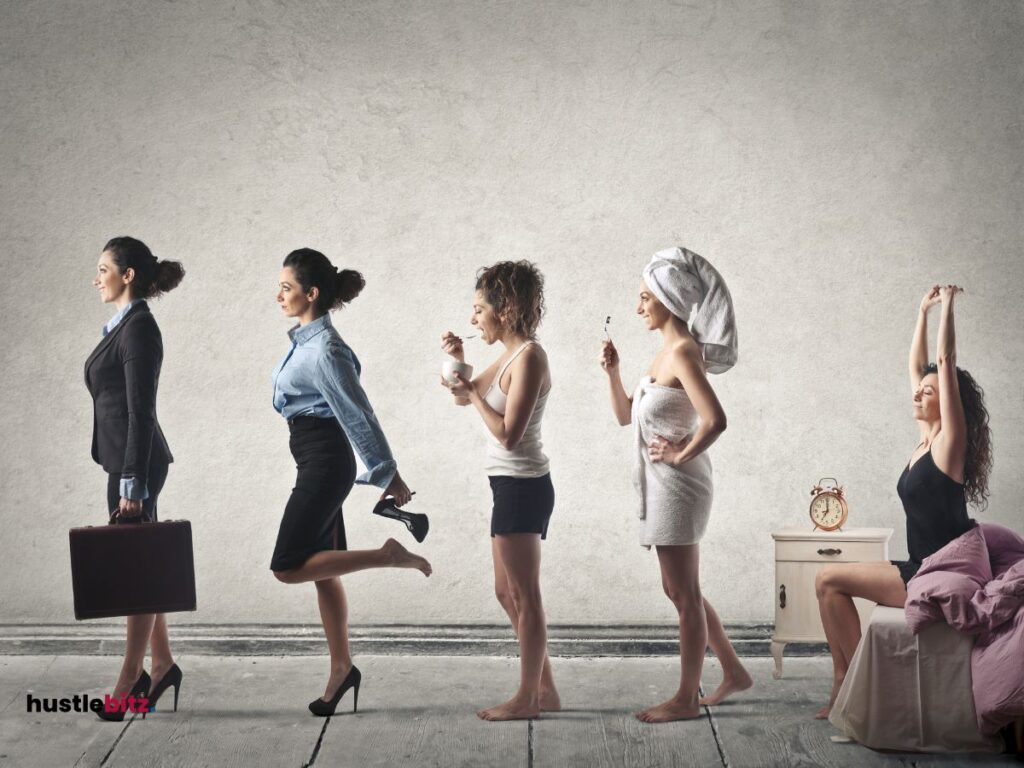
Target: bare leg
x: 835, y: 609
x: 549, y: 698
x: 679, y: 576
x: 520, y: 556
x: 777, y: 649
x: 161, y: 659
x: 331, y: 563
x: 140, y: 627
x: 836, y: 586
x: 735, y: 677
x: 330, y: 596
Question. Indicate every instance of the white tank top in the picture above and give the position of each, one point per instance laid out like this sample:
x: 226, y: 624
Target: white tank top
x: 526, y: 459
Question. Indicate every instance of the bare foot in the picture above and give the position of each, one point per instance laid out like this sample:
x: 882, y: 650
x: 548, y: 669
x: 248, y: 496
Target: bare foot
x: 823, y: 713
x: 550, y: 700
x: 400, y: 557
x: 667, y: 711
x: 730, y: 684
x: 513, y: 709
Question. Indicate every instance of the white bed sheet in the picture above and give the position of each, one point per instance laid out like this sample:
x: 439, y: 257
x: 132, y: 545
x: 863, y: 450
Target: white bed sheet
x: 910, y: 692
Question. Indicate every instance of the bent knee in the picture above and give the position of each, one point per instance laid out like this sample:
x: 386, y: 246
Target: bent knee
x: 685, y: 599
x: 286, y: 577
x: 504, y: 596
x: 525, y: 599
x: 828, y: 579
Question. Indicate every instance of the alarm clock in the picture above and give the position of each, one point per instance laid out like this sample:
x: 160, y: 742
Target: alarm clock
x: 828, y: 507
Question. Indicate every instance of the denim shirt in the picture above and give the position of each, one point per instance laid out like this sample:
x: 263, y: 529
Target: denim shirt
x: 129, y: 488
x: 320, y: 377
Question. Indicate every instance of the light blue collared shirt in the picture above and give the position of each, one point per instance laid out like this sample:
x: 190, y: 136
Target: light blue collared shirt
x: 320, y: 377
x: 130, y: 488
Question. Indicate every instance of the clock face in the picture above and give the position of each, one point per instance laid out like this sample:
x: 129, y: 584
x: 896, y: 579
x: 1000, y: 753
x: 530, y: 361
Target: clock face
x: 827, y: 511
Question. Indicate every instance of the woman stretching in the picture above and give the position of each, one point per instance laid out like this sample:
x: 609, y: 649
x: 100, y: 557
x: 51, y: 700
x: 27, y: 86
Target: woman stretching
x: 317, y: 389
x: 948, y: 468
x: 676, y: 417
x: 510, y: 397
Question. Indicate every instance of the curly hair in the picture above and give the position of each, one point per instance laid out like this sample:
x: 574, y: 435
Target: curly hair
x: 337, y: 286
x: 978, y: 461
x: 516, y: 291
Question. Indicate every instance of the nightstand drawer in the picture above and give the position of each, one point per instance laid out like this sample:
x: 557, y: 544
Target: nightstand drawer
x: 830, y: 551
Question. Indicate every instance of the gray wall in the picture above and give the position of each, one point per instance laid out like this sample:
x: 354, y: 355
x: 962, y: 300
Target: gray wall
x: 831, y: 159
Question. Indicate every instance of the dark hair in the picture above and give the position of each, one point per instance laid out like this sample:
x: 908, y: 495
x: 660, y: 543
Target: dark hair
x: 516, y: 291
x: 978, y: 459
x: 313, y: 269
x: 152, y: 277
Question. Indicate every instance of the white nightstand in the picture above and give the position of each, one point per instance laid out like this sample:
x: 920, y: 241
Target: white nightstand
x: 799, y: 554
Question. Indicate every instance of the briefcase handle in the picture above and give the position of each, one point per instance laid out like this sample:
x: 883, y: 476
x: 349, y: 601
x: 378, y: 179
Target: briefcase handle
x: 120, y: 520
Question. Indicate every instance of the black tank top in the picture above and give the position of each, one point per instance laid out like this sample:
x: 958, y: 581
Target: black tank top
x: 935, y: 505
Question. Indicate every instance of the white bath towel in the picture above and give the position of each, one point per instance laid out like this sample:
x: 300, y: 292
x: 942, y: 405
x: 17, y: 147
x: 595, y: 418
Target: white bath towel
x: 682, y: 280
x: 675, y: 502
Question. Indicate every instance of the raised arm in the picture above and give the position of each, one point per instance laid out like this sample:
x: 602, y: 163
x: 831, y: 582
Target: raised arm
x: 452, y: 345
x: 950, y: 447
x: 919, y: 344
x: 622, y: 404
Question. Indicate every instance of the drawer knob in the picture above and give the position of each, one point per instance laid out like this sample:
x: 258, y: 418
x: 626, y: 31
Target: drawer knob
x: 782, y: 596
x: 830, y: 551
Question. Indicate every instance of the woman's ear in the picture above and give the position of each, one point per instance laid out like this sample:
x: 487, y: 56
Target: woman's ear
x: 128, y: 275
x: 313, y: 294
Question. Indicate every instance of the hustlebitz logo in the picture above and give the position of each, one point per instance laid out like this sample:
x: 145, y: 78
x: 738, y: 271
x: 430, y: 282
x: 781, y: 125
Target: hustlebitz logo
x: 82, y: 702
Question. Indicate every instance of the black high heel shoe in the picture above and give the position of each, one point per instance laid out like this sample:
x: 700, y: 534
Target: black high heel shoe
x: 417, y: 523
x: 322, y: 708
x: 171, y: 677
x: 139, y: 690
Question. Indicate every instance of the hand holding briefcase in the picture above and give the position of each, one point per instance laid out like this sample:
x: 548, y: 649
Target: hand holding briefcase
x: 132, y: 568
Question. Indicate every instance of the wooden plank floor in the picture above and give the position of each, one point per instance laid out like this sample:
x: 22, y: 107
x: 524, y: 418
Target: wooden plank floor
x: 419, y: 711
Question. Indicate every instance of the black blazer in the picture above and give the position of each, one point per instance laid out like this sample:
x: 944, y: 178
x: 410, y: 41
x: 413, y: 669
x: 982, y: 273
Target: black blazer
x: 122, y: 375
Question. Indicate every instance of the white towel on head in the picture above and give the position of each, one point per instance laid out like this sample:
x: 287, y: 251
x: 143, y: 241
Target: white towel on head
x: 682, y: 280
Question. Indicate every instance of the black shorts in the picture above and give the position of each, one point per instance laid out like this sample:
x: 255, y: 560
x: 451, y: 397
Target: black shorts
x: 908, y: 569
x: 326, y: 471
x: 521, y: 504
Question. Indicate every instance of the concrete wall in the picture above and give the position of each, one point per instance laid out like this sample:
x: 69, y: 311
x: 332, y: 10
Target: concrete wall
x: 831, y: 159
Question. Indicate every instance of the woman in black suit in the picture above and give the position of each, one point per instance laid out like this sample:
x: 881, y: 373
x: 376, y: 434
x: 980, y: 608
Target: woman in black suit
x: 122, y: 375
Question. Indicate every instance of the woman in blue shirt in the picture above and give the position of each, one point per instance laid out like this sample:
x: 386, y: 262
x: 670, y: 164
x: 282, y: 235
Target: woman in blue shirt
x: 317, y: 389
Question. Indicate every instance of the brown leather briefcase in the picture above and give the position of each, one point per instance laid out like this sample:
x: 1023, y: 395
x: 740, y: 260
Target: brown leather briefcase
x: 130, y: 568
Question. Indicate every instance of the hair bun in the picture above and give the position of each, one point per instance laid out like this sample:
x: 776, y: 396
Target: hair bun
x: 349, y: 284
x: 168, y: 275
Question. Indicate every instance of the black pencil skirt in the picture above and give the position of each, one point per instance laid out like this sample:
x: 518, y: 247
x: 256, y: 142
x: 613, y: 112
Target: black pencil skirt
x: 326, y: 471
x: 521, y: 504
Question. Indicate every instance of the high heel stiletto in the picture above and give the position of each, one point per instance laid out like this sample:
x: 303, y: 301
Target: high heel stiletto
x: 171, y: 677
x: 417, y: 523
x: 140, y: 689
x: 322, y: 708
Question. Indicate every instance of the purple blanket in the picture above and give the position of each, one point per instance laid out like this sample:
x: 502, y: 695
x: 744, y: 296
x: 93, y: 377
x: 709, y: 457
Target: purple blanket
x: 976, y: 585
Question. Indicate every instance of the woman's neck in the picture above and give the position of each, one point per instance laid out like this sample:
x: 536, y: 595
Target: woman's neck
x: 310, y: 316
x: 674, y: 331
x: 513, y: 341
